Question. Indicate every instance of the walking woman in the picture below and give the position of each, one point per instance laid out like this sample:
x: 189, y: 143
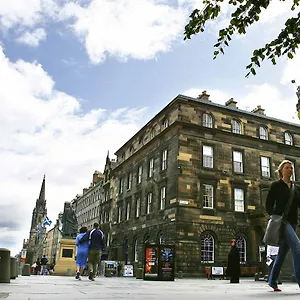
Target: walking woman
x: 277, y: 200
x: 82, y: 253
x: 233, y: 266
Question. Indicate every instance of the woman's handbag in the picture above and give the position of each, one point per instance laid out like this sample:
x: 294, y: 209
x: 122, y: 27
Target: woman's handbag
x: 275, y: 228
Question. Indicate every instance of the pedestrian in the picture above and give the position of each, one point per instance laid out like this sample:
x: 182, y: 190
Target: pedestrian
x: 272, y: 252
x: 96, y: 245
x: 233, y: 265
x: 277, y: 199
x: 37, y: 269
x: 82, y: 253
x: 44, y: 262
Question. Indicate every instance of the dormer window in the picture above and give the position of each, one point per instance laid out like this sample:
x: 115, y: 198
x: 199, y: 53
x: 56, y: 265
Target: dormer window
x: 152, y: 133
x: 236, y: 127
x: 207, y: 121
x: 165, y: 123
x: 288, y: 139
x: 263, y: 133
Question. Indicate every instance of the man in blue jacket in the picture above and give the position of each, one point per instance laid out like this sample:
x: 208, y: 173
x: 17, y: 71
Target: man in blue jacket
x: 97, y: 244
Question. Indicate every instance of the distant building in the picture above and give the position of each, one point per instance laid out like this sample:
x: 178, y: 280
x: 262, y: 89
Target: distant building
x: 37, y: 232
x: 196, y: 176
x: 87, y: 205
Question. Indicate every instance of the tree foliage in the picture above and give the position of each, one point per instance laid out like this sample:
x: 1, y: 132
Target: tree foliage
x: 246, y: 13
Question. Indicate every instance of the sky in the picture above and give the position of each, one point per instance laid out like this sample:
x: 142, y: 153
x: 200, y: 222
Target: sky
x: 79, y: 78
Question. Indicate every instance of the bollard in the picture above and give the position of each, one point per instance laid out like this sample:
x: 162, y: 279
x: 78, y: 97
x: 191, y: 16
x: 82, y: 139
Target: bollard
x: 256, y: 277
x: 139, y: 273
x: 4, y: 265
x: 180, y: 275
x: 26, y: 270
x: 69, y: 272
x: 13, y: 268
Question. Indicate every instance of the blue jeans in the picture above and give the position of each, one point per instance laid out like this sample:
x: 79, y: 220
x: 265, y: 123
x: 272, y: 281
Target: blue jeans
x: 292, y: 241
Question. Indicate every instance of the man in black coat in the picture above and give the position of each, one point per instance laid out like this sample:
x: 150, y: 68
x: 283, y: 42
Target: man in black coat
x: 233, y: 265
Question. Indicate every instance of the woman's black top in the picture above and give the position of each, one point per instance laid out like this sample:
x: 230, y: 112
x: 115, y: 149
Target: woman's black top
x: 277, y: 200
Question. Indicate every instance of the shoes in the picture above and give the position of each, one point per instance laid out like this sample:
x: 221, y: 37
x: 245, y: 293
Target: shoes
x: 91, y: 276
x: 78, y: 276
x: 276, y: 289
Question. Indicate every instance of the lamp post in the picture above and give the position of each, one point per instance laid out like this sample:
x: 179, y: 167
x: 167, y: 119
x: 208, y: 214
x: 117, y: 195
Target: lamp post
x: 298, y: 96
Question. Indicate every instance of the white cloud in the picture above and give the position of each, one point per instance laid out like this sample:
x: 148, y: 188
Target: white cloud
x: 25, y: 13
x: 125, y: 28
x: 44, y: 130
x: 33, y: 38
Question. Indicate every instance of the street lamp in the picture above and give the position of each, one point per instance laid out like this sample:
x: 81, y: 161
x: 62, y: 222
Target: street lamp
x: 298, y: 95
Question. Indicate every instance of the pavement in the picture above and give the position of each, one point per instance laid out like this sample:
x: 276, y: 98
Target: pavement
x: 68, y: 288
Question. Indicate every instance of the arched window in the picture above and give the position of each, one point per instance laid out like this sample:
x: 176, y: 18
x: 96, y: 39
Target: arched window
x: 207, y: 121
x: 236, y: 127
x: 135, y: 250
x: 207, y: 248
x: 288, y: 139
x: 263, y: 133
x: 241, y: 245
x: 165, y: 123
x: 152, y: 133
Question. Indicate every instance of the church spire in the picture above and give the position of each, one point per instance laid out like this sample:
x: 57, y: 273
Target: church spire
x: 42, y: 196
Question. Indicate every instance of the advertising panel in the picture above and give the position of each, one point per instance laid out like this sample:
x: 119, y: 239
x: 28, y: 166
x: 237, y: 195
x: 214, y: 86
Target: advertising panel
x: 151, y: 262
x: 167, y: 262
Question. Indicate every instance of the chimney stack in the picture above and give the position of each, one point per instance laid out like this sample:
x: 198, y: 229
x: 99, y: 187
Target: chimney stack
x: 204, y: 96
x: 231, y: 103
x: 258, y: 110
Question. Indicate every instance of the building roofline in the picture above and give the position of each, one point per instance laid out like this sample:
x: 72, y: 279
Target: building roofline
x: 233, y: 109
x: 237, y: 110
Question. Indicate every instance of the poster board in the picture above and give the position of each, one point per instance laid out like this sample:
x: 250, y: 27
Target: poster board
x: 128, y: 271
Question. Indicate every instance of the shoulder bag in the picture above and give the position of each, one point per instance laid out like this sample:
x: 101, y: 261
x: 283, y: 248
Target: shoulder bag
x: 275, y: 228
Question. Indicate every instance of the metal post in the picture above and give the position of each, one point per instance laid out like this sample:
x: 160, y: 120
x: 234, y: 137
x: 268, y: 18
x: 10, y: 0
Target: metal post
x: 4, y: 265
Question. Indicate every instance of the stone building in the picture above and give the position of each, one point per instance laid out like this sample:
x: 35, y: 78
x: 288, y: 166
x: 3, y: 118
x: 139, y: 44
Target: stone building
x: 51, y: 247
x: 196, y: 176
x: 37, y: 232
x: 87, y: 205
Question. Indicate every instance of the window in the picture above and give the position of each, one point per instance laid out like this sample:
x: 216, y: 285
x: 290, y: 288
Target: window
x: 137, y: 207
x: 263, y: 133
x: 237, y: 162
x: 121, y: 185
x: 239, y: 199
x: 129, y: 180
x: 208, y: 157
x: 163, y: 197
x: 151, y: 167
x: 140, y: 172
x: 152, y: 133
x: 207, y: 248
x: 207, y: 121
x: 265, y: 166
x: 127, y: 211
x: 241, y: 245
x: 165, y: 123
x: 208, y: 196
x: 236, y: 127
x: 164, y: 160
x: 288, y: 139
x: 149, y: 203
x: 119, y: 214
x: 135, y: 250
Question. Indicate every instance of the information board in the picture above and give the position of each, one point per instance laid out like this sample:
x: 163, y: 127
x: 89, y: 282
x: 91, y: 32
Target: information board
x: 151, y: 261
x: 128, y: 271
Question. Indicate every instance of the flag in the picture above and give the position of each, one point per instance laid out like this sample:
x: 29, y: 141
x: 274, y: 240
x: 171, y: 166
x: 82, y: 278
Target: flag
x: 47, y: 221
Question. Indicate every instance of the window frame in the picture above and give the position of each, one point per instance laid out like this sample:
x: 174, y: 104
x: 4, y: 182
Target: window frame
x: 263, y: 133
x: 164, y: 158
x: 236, y: 127
x: 149, y: 203
x: 235, y: 163
x: 288, y: 141
x: 207, y: 120
x: 162, y: 197
x: 242, y: 249
x: 262, y: 166
x: 235, y: 189
x: 210, y: 158
x: 139, y: 174
x: 210, y: 250
x: 204, y: 185
x: 150, y: 167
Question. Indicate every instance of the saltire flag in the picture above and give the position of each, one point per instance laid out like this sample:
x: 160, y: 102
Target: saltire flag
x: 47, y: 222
